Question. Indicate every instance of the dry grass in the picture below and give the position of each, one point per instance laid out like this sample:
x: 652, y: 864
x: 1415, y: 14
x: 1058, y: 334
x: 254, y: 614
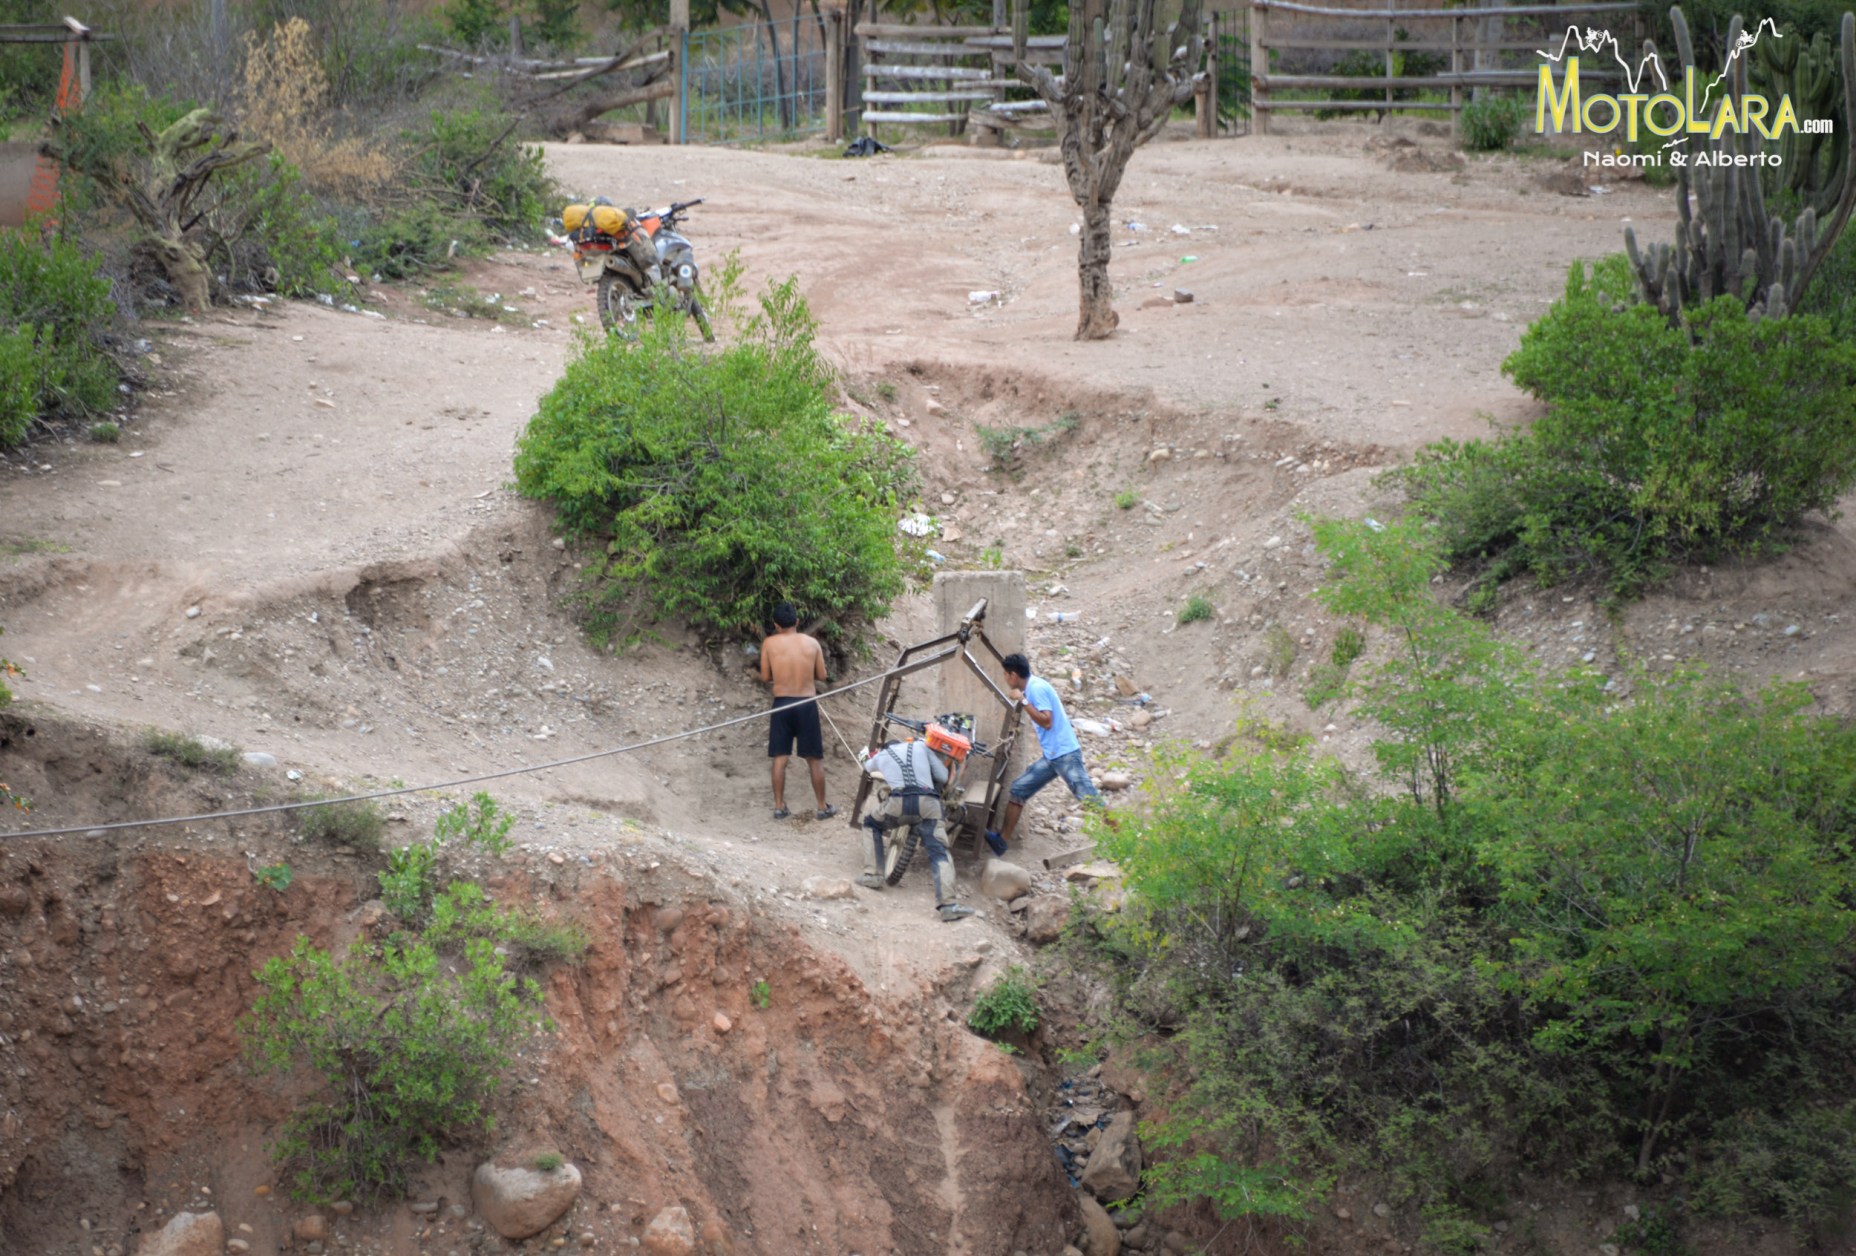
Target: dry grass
x: 285, y: 99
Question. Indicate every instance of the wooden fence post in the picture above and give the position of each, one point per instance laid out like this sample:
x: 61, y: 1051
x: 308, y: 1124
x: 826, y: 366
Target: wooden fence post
x: 1260, y: 66
x: 1456, y: 71
x: 834, y: 75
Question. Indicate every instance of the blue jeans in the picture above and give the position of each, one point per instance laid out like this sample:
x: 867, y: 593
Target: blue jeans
x: 1044, y: 771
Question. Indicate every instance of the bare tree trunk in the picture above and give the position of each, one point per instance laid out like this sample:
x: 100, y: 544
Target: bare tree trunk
x: 1096, y: 316
x: 1123, y: 75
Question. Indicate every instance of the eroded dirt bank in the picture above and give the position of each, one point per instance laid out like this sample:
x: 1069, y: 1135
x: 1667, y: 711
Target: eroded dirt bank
x: 834, y: 1119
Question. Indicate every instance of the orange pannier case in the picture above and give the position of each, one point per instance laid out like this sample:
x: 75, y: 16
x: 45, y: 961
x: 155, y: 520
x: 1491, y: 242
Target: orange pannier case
x: 949, y: 743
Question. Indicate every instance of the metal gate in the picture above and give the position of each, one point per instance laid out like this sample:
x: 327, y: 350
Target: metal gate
x: 1229, y: 55
x: 756, y: 81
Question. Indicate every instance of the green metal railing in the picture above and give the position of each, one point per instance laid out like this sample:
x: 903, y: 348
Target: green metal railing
x: 757, y: 81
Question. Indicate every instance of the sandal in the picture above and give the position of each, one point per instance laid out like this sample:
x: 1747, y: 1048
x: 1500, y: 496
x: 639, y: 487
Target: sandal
x: 781, y: 813
x: 827, y: 811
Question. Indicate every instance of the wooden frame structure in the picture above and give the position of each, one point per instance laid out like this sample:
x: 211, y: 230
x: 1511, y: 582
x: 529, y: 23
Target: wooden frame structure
x: 1461, y: 46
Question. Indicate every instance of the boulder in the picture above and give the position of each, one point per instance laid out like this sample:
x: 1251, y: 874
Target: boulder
x: 670, y: 1233
x: 827, y: 887
x: 1100, y: 1237
x: 518, y: 1202
x: 1115, y: 782
x: 1114, y: 1170
x: 188, y: 1234
x: 313, y: 1228
x: 1003, y: 880
x: 1046, y: 918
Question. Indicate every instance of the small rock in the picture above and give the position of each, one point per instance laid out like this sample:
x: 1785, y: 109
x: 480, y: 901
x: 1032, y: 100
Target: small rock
x: 188, y: 1234
x: 1115, y: 782
x: 193, y: 612
x: 1274, y: 542
x: 1114, y: 1170
x: 259, y: 759
x: 670, y: 1233
x: 1099, y: 1228
x: 1140, y: 719
x: 341, y: 1207
x: 1160, y: 454
x: 1633, y: 1213
x: 237, y: 1246
x: 1382, y: 1211
x: 667, y: 1092
x: 519, y: 1202
x: 931, y: 406
x: 1793, y: 630
x: 313, y: 1228
x: 1004, y: 880
x: 721, y: 1024
x: 1045, y: 918
x: 827, y: 887
x: 1182, y: 296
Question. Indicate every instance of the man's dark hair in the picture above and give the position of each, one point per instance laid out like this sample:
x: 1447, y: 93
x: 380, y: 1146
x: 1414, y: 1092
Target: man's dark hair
x: 1018, y: 665
x: 785, y: 615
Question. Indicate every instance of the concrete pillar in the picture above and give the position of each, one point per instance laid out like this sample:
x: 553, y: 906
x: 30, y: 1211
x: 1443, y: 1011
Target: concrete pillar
x: 955, y: 592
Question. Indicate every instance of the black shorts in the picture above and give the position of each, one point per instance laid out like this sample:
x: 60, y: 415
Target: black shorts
x: 795, y: 723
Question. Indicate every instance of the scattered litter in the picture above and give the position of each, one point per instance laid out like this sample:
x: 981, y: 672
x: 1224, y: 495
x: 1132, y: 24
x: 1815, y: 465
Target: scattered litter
x: 1137, y: 226
x: 865, y: 146
x: 1063, y: 617
x: 918, y: 524
x: 1095, y: 728
x: 1076, y: 228
x: 981, y: 296
x: 935, y: 556
x: 1177, y: 229
x: 1188, y: 259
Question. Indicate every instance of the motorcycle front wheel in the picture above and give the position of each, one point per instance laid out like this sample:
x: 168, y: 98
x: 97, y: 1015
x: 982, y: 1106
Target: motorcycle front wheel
x: 620, y: 305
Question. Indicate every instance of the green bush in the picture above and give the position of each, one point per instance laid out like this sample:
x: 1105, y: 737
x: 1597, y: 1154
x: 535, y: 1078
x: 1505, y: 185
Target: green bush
x: 466, y: 163
x: 480, y: 822
x: 410, y: 242
x: 408, y: 1039
x: 191, y: 752
x: 1195, y: 609
x: 1008, y: 1005
x: 1493, y: 123
x: 53, y: 308
x: 274, y: 234
x: 1579, y: 935
x: 357, y: 824
x: 406, y: 885
x: 721, y: 483
x: 1660, y: 444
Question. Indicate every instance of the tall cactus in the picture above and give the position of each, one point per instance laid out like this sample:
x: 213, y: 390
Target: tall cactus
x: 1124, y: 74
x: 1727, y: 243
x: 1813, y: 166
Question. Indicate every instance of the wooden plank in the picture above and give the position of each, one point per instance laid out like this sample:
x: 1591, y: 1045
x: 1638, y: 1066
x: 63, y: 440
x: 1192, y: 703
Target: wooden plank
x: 1267, y: 106
x: 893, y: 30
x: 911, y: 119
x: 939, y: 72
x: 1040, y: 56
x: 1020, y: 106
x: 904, y: 49
x: 656, y: 58
x: 1415, y: 45
x: 1488, y: 78
x: 1005, y: 41
x: 1069, y: 858
x: 1522, y: 10
x: 910, y: 98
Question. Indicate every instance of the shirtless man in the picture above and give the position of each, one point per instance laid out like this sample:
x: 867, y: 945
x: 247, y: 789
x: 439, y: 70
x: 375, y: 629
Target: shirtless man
x: 793, y: 664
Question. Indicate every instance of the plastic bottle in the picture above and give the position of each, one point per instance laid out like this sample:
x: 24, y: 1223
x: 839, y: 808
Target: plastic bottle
x: 1063, y: 617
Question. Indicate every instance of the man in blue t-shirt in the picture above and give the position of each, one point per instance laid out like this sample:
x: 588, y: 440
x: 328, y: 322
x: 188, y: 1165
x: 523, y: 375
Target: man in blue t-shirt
x: 1063, y: 756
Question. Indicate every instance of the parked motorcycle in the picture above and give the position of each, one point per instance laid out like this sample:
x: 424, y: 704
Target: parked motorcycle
x: 624, y: 293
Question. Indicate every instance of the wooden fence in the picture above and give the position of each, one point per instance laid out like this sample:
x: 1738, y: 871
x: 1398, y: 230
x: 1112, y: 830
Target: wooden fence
x: 960, y: 74
x: 1286, y: 26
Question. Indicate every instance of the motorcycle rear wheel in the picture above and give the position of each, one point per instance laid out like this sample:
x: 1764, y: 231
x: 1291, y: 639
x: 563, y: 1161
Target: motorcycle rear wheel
x: 897, y: 852
x: 620, y: 305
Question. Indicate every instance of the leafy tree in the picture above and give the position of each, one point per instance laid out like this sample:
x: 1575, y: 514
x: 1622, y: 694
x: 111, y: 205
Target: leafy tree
x: 718, y: 485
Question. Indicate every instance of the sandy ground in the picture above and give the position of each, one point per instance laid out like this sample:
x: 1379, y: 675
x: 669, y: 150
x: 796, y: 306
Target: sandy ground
x: 305, y: 543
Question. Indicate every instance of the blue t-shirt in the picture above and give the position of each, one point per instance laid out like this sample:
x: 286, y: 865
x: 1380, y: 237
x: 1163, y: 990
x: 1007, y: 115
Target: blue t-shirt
x: 1059, y: 739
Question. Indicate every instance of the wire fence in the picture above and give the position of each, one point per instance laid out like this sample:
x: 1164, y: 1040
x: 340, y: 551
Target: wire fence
x: 757, y: 81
